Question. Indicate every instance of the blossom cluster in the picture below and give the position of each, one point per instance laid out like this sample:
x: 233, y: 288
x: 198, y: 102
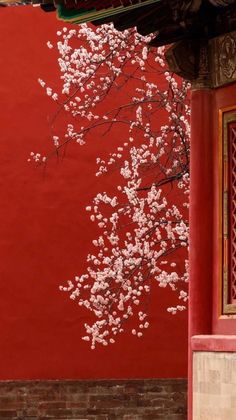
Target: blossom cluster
x: 144, y: 222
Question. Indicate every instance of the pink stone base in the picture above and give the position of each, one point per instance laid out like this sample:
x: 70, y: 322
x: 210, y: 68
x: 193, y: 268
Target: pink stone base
x: 214, y: 343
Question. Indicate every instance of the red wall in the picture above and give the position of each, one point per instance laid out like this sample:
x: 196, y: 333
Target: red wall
x: 45, y: 235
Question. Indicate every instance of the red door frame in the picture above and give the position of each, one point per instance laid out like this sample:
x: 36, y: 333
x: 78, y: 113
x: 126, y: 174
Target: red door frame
x: 205, y: 319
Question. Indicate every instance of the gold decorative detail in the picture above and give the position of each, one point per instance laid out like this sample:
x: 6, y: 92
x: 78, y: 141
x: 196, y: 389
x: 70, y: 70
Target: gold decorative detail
x: 203, y: 80
x: 223, y: 59
x: 228, y: 220
x: 227, y: 56
x: 206, y: 63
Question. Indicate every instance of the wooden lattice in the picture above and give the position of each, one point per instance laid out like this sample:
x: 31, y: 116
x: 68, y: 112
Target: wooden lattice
x: 232, y: 212
x: 228, y: 220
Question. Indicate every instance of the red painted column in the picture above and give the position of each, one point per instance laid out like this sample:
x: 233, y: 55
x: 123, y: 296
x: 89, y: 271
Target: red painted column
x: 201, y: 220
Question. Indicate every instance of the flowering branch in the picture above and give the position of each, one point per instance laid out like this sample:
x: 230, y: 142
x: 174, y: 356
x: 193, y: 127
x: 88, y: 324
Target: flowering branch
x: 144, y: 225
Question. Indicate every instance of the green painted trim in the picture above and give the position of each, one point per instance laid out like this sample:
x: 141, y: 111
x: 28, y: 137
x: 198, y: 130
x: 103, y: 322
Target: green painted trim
x: 82, y: 15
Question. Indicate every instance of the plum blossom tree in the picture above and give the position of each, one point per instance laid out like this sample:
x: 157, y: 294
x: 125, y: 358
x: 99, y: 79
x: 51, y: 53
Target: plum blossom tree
x: 143, y: 222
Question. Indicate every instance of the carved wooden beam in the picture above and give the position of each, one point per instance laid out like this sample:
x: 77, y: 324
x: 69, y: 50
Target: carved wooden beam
x: 206, y: 63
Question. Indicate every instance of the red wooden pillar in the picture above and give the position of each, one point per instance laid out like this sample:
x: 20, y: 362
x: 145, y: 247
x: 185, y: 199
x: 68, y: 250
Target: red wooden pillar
x: 201, y: 212
x: 201, y: 220
x: 212, y: 309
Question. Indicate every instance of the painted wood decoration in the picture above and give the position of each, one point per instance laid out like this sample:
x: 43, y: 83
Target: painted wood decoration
x: 87, y: 11
x: 229, y: 211
x: 170, y: 20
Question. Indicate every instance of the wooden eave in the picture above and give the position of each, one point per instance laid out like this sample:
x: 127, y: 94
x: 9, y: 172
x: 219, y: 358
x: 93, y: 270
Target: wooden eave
x: 77, y: 14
